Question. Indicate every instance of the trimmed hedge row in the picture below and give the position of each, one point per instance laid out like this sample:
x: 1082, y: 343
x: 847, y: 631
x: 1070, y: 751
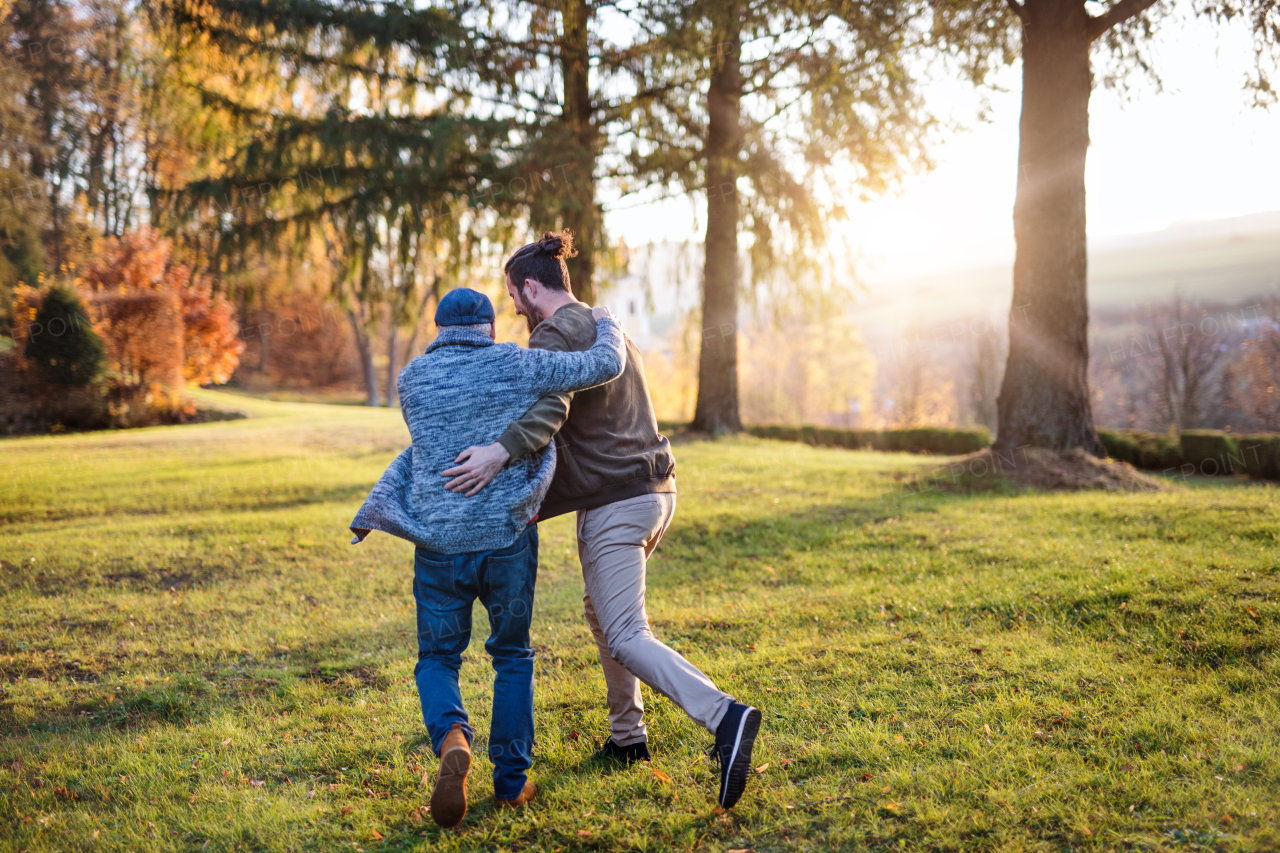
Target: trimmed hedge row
x: 1205, y: 452
x: 939, y: 440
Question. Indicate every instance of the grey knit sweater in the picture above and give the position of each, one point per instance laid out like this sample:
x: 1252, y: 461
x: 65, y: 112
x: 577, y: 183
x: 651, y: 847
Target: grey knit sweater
x: 465, y: 390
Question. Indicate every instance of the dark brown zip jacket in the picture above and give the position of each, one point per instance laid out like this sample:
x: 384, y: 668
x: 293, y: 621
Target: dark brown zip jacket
x: 606, y: 437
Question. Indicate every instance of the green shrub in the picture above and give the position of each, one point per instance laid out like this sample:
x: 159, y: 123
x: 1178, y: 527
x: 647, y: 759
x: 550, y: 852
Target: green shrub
x: 1261, y: 454
x: 939, y: 440
x: 62, y: 344
x: 1211, y: 452
x: 1271, y: 453
x: 1150, y: 450
x: 1121, y: 445
x: 828, y: 437
x: 854, y: 439
x: 1160, y: 451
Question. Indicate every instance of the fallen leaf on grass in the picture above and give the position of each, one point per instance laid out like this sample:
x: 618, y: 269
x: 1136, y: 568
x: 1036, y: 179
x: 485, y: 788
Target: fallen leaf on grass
x: 885, y: 789
x: 257, y: 783
x: 1127, y: 768
x: 762, y: 767
x: 1085, y: 829
x: 897, y: 738
x: 866, y: 777
x: 661, y: 777
x: 1226, y: 818
x: 584, y: 832
x: 1039, y: 735
x: 987, y: 728
x: 891, y: 805
x: 227, y: 742
x: 977, y: 650
x: 377, y: 836
x: 1253, y: 613
x: 348, y: 809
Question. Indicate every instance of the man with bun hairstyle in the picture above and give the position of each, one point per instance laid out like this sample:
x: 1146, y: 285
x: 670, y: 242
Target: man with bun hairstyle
x: 618, y: 474
x: 464, y: 389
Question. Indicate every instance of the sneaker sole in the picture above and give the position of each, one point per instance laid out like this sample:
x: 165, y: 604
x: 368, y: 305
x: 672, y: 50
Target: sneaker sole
x: 449, y: 799
x: 735, y: 778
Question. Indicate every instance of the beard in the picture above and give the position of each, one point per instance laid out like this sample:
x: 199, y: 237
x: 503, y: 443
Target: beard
x: 532, y: 317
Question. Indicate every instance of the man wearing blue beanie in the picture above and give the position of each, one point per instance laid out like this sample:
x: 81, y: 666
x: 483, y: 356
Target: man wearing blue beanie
x: 464, y: 390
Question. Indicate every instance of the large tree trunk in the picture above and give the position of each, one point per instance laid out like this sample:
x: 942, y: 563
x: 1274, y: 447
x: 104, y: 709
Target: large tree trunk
x: 717, y: 407
x: 580, y: 212
x: 1044, y: 400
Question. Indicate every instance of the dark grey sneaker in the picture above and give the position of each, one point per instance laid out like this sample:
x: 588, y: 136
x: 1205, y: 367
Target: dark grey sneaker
x: 735, y: 738
x: 629, y: 754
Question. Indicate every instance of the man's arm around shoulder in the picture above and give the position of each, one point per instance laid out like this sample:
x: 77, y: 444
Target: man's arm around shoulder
x: 476, y: 466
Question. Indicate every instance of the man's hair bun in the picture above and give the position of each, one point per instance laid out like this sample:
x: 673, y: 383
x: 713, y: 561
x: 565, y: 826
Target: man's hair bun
x: 558, y: 244
x: 543, y: 261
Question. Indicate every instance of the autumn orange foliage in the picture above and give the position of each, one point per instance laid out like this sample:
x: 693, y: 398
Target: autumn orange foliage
x: 209, y: 345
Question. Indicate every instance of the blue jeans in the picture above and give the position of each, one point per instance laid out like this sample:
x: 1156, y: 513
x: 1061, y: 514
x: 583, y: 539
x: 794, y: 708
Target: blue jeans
x: 445, y: 586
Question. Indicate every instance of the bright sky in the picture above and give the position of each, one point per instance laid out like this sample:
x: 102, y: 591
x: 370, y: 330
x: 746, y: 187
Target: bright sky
x: 1197, y: 150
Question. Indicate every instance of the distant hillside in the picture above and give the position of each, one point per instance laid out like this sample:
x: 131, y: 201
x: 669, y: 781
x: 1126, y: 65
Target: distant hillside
x: 1223, y: 261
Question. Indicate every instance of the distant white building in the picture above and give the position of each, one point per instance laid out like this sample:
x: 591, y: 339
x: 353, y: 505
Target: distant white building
x: 660, y: 287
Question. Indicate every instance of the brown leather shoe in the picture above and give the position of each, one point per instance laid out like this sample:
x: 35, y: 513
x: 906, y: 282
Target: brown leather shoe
x: 526, y: 796
x: 449, y: 799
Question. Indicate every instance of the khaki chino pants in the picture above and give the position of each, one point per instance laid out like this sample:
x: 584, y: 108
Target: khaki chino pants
x: 614, y: 544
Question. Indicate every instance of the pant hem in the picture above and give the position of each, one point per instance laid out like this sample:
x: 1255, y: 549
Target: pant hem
x: 509, y: 797
x: 714, y: 723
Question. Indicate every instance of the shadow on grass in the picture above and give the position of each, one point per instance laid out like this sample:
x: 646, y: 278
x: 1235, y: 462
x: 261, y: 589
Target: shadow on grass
x: 185, y: 697
x: 764, y: 550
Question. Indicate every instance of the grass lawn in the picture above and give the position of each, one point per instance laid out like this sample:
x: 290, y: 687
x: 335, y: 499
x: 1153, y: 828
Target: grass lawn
x: 194, y: 658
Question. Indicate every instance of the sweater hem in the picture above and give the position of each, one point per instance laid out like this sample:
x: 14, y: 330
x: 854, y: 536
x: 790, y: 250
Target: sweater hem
x: 608, y: 495
x: 449, y: 547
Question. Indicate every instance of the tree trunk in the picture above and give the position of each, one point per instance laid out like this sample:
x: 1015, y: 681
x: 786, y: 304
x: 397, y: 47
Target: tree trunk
x: 393, y: 393
x: 580, y: 213
x: 365, y: 347
x: 1044, y: 399
x: 264, y: 352
x: 717, y: 408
